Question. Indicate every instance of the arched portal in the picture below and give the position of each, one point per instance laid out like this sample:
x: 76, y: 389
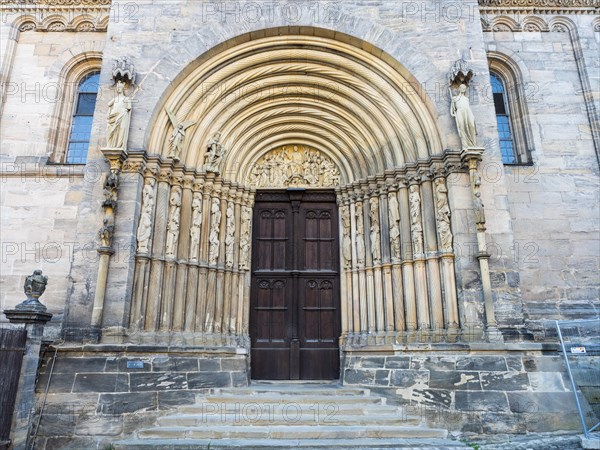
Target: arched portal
x: 295, y: 108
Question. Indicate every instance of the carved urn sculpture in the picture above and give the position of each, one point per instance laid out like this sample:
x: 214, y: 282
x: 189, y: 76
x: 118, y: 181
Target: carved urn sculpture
x: 35, y: 285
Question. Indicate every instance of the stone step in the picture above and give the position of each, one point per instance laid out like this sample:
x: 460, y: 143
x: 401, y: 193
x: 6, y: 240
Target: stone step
x: 335, y: 391
x: 282, y: 444
x: 296, y: 432
x: 299, y: 399
x: 287, y: 409
x: 292, y: 419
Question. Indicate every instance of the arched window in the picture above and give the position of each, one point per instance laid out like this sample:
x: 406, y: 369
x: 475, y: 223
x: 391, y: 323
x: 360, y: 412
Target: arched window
x: 505, y: 133
x: 510, y: 102
x: 81, y: 125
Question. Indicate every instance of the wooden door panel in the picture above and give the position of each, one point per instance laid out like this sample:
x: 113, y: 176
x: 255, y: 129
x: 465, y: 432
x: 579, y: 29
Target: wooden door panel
x: 294, y: 314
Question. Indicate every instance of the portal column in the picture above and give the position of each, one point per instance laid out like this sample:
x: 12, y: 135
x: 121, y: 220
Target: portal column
x: 472, y: 156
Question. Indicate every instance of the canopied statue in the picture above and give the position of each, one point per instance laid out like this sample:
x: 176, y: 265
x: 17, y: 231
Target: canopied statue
x: 465, y: 121
x: 119, y: 114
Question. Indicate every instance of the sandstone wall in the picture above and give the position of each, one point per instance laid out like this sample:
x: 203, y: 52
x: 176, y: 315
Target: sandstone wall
x: 554, y: 202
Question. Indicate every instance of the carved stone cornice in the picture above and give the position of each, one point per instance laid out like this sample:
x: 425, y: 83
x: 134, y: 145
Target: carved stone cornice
x: 540, y: 6
x: 57, y: 15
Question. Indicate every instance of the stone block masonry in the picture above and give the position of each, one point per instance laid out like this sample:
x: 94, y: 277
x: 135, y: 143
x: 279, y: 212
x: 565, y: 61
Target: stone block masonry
x: 98, y: 394
x: 477, y: 388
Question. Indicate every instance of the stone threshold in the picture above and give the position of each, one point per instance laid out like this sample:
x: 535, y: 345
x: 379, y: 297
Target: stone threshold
x: 457, y: 347
x: 146, y: 348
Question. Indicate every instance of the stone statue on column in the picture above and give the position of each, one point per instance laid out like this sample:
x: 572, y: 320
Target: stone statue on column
x: 443, y: 214
x: 375, y: 236
x: 173, y: 224
x: 346, y: 239
x: 144, y: 231
x: 360, y: 235
x: 230, y: 235
x: 215, y: 225
x: 245, y: 238
x: 414, y: 198
x: 196, y: 224
x: 394, y: 217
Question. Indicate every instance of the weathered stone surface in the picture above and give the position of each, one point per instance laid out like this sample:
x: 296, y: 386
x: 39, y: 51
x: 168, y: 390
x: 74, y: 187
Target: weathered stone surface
x: 398, y: 362
x: 167, y: 364
x: 117, y: 404
x: 120, y: 364
x: 157, y: 381
x: 353, y: 376
x: 210, y: 365
x: 79, y: 365
x: 232, y: 364
x: 453, y: 380
x: 408, y: 378
x: 487, y: 363
x: 434, y: 397
x: 433, y: 362
x: 208, y: 380
x: 542, y: 402
x: 172, y: 399
x: 382, y: 377
x: 239, y: 379
x: 370, y: 362
x: 60, y: 382
x: 507, y: 381
x: 481, y: 401
x: 101, y: 382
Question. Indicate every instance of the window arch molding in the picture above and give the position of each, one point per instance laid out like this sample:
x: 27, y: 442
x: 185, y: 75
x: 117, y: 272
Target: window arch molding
x: 72, y: 74
x: 516, y: 98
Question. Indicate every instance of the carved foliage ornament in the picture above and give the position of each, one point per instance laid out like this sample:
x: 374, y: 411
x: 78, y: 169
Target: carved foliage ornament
x: 294, y: 166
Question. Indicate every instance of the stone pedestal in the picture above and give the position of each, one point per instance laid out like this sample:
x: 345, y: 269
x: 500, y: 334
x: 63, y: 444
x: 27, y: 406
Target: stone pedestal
x: 34, y: 317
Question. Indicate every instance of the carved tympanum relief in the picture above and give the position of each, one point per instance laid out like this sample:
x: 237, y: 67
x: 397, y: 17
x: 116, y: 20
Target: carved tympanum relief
x: 297, y: 166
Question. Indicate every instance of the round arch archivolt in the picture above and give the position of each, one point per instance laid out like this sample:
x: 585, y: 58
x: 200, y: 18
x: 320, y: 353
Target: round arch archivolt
x: 359, y: 105
x: 349, y: 108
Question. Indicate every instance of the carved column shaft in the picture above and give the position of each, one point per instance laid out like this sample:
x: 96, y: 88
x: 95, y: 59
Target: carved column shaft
x: 431, y: 255
x: 472, y: 158
x: 408, y: 279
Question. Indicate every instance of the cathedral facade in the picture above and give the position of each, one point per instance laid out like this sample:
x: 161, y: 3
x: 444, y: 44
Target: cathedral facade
x: 396, y: 195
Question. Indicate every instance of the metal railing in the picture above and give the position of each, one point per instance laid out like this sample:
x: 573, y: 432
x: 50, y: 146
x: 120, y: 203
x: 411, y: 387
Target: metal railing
x: 580, y: 342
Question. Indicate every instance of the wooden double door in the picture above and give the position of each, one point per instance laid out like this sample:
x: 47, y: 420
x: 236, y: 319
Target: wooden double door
x: 295, y: 290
